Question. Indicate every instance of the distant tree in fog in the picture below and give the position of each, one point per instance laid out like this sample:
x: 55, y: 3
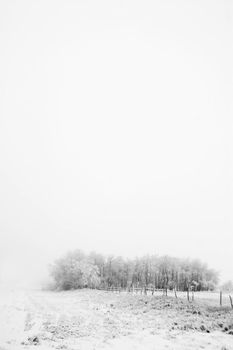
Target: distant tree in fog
x: 227, y: 286
x: 74, y: 271
x: 77, y: 270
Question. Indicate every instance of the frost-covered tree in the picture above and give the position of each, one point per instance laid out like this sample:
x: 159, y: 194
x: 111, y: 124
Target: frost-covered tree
x: 227, y: 286
x: 74, y: 271
x: 77, y: 270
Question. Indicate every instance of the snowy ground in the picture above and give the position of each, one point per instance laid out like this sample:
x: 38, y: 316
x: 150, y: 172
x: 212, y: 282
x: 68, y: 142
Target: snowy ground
x: 89, y: 319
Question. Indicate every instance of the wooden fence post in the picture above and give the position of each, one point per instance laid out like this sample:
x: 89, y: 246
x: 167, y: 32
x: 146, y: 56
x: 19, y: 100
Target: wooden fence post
x: 220, y: 298
x: 231, y: 301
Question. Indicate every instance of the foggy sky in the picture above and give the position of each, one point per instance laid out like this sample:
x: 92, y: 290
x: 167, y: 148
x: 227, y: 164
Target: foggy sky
x: 115, y: 131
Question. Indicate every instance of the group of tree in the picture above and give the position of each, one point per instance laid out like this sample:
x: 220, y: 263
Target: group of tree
x: 227, y: 286
x: 78, y: 270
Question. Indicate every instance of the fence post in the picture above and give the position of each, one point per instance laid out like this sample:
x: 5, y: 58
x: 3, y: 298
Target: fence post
x: 231, y: 301
x: 220, y: 298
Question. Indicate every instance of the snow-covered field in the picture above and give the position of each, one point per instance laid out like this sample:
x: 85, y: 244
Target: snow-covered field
x: 89, y: 319
x: 212, y: 298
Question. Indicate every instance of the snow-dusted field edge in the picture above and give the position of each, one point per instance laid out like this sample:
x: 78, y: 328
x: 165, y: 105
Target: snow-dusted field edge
x: 89, y: 319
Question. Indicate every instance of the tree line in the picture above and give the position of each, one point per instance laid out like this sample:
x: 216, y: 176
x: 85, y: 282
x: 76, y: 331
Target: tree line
x: 78, y: 270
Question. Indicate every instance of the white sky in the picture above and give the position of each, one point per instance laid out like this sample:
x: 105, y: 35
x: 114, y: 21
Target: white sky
x: 115, y: 130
